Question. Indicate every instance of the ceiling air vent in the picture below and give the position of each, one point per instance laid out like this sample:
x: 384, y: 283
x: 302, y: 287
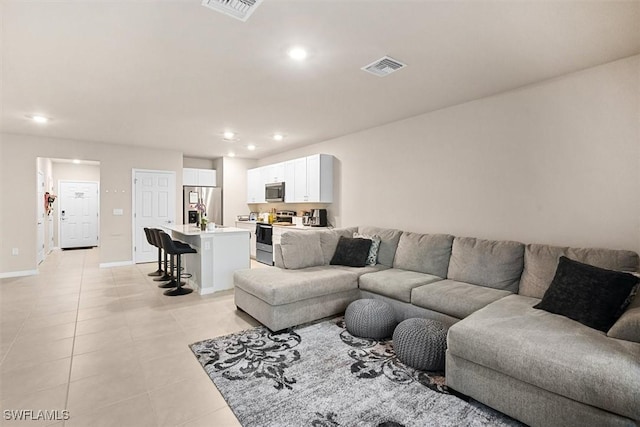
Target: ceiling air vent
x: 239, y: 9
x: 383, y: 66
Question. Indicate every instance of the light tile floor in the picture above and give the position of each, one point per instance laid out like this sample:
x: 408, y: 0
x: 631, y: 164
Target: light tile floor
x: 107, y: 346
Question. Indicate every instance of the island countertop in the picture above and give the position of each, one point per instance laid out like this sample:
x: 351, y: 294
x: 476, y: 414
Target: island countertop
x: 192, y: 230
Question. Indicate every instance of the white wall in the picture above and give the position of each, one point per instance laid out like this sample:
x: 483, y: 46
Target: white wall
x: 18, y: 154
x: 234, y: 192
x: 557, y: 162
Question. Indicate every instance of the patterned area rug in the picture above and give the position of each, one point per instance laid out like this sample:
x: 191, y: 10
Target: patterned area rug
x: 319, y: 375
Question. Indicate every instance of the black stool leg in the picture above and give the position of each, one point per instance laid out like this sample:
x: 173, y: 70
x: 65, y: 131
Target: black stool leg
x: 179, y: 290
x: 159, y: 271
x: 167, y: 272
x: 172, y: 278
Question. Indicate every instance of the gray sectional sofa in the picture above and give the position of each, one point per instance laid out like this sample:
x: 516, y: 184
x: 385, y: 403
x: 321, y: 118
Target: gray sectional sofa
x: 540, y: 368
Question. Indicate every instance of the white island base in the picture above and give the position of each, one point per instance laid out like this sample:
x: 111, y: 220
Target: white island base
x: 221, y: 251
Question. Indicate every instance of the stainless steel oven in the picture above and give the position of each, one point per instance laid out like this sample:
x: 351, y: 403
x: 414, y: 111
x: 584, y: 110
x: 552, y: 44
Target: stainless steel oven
x: 274, y: 192
x: 264, y: 243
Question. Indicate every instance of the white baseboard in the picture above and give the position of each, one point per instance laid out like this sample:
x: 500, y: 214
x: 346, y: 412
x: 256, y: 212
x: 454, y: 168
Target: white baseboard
x: 115, y: 264
x: 18, y: 274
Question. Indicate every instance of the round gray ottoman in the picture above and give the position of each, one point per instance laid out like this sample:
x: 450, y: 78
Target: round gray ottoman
x: 421, y: 344
x: 370, y: 318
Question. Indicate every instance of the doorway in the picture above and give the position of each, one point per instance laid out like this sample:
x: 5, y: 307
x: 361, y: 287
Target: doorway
x: 154, y: 206
x: 79, y: 214
x: 40, y: 219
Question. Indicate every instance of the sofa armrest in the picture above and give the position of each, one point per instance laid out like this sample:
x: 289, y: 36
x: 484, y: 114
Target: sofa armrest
x: 277, y: 256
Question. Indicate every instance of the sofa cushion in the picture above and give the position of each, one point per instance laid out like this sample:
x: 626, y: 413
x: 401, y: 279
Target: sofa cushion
x: 551, y: 352
x: 590, y: 295
x: 360, y: 270
x: 491, y: 263
x: 540, y: 262
x: 329, y: 241
x: 457, y: 299
x: 276, y: 286
x: 627, y: 327
x: 301, y: 249
x: 388, y: 243
x: 395, y: 283
x: 425, y: 253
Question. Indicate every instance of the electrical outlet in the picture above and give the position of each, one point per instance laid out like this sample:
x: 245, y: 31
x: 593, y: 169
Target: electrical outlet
x: 15, y: 251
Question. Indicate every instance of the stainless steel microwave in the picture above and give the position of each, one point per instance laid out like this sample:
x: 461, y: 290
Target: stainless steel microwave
x: 274, y: 192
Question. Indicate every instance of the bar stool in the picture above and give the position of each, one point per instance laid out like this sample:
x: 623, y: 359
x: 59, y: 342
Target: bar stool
x: 152, y: 242
x: 168, y: 265
x: 174, y: 247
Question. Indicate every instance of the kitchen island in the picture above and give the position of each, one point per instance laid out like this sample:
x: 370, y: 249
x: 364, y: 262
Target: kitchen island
x: 221, y: 251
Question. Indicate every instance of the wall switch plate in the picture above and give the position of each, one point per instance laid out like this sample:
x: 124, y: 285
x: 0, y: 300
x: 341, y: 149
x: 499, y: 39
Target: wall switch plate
x: 118, y: 212
x: 15, y: 251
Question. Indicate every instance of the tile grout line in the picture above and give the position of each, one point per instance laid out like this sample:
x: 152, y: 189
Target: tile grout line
x: 156, y: 416
x: 15, y: 338
x: 73, y: 343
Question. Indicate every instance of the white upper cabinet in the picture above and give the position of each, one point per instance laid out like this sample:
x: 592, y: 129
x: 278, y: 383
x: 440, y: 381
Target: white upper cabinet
x: 255, y: 186
x: 299, y: 182
x: 289, y: 179
x: 273, y: 173
x: 199, y: 177
x: 306, y: 180
x: 189, y: 176
x: 207, y: 177
x: 319, y: 179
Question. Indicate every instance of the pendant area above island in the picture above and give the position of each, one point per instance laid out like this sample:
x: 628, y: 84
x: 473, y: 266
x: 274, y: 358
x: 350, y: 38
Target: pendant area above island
x: 221, y: 251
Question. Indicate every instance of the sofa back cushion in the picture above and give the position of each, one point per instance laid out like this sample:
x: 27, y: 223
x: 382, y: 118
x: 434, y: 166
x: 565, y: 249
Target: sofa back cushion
x: 491, y: 263
x: 424, y: 253
x: 388, y: 243
x: 329, y: 241
x: 541, y: 262
x: 301, y: 249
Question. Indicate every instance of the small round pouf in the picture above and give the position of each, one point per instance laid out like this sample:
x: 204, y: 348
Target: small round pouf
x: 421, y: 344
x: 370, y: 318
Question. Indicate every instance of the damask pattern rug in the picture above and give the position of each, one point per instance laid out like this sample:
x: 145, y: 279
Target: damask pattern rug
x: 319, y: 375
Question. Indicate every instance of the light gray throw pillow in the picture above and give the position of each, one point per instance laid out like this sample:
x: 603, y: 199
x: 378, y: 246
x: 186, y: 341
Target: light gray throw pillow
x: 372, y: 258
x: 301, y: 249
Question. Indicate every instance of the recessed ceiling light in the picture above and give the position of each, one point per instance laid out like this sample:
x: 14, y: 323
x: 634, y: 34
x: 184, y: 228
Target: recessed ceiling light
x: 278, y: 136
x: 38, y: 118
x: 298, y: 53
x: 228, y: 135
x: 251, y: 147
x: 232, y: 154
x: 76, y: 161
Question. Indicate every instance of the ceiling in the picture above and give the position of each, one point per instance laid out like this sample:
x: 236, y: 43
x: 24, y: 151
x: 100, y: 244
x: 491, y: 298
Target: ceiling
x: 174, y: 74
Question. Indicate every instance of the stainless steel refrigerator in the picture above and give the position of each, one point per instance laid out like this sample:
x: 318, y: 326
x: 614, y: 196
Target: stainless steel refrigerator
x: 210, y: 197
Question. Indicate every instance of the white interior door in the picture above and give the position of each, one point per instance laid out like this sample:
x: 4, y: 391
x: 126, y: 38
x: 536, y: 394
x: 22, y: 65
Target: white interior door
x: 40, y: 218
x: 78, y: 214
x: 154, y: 206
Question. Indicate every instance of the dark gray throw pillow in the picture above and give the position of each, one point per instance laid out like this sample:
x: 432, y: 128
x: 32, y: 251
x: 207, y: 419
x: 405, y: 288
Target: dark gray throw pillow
x: 587, y: 294
x: 352, y: 252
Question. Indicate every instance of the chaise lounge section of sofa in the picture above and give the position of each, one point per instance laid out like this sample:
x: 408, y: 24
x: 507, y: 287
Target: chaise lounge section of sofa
x: 538, y: 367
